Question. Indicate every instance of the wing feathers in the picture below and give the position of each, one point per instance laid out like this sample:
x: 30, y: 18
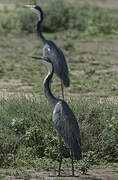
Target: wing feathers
x: 67, y: 126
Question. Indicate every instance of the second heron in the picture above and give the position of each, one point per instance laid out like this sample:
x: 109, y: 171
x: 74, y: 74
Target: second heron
x: 50, y: 50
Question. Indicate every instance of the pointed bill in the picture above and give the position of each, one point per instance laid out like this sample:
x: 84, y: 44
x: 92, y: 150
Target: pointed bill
x: 29, y: 6
x: 41, y: 58
x: 33, y: 9
x: 38, y: 57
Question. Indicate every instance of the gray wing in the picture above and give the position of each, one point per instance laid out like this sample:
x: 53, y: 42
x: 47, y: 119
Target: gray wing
x: 60, y: 65
x: 67, y: 127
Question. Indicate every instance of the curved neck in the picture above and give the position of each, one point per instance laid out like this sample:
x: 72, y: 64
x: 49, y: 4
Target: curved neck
x: 51, y: 99
x: 42, y: 39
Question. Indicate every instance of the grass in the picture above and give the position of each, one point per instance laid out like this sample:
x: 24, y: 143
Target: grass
x: 91, y: 55
x: 89, y: 68
x: 18, y: 173
x: 92, y: 59
x: 30, y: 138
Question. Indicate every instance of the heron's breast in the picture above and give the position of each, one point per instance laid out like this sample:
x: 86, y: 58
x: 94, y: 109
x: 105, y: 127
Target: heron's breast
x: 52, y: 54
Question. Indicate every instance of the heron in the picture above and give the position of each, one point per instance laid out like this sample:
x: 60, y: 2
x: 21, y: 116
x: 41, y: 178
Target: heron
x: 63, y: 118
x: 52, y: 51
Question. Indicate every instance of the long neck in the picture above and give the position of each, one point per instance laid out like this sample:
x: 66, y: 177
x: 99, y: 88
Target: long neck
x: 51, y: 99
x: 42, y: 39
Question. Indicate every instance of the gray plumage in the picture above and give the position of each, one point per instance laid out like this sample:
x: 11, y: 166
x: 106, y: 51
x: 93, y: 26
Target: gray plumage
x: 64, y: 120
x: 67, y: 127
x: 51, y: 51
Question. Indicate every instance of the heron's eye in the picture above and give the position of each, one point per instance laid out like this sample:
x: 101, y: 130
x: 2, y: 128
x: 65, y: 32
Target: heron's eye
x: 48, y: 49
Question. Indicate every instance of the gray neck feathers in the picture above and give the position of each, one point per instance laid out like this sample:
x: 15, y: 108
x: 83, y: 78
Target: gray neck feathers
x: 51, y: 99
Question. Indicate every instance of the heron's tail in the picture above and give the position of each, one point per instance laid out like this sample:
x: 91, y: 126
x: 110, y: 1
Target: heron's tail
x: 77, y: 152
x: 66, y: 83
x: 66, y: 80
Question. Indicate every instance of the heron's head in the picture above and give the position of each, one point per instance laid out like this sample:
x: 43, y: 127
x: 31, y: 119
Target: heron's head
x: 37, y: 10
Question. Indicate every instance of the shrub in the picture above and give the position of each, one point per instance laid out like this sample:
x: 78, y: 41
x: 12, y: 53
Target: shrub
x: 60, y: 15
x: 25, y: 120
x: 27, y: 131
x: 99, y: 123
x: 56, y: 16
x: 27, y: 21
x: 8, y: 22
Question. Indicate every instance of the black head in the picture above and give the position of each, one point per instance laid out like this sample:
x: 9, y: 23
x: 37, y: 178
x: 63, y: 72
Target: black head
x: 37, y: 10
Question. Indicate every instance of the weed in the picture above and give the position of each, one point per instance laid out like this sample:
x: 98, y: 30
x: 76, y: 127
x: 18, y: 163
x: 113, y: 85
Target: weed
x: 27, y: 133
x: 59, y: 16
x: 22, y: 174
x: 2, y: 176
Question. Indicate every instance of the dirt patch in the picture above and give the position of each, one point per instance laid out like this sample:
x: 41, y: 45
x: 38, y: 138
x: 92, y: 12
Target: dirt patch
x: 7, y: 7
x: 104, y: 3
x: 112, y: 4
x: 94, y: 174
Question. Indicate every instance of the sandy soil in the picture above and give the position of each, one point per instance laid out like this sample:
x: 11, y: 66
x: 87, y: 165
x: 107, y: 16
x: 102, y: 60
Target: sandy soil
x: 95, y: 174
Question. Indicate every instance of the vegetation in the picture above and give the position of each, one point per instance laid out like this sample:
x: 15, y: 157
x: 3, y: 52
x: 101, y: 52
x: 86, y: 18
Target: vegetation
x: 70, y: 24
x: 62, y: 16
x: 27, y: 133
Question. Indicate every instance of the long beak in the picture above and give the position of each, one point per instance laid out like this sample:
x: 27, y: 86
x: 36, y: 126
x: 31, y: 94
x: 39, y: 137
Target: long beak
x: 38, y: 57
x: 41, y: 58
x: 29, y: 6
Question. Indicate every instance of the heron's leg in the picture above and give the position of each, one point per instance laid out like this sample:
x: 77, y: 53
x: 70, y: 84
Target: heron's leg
x: 62, y: 89
x: 60, y: 155
x: 71, y: 154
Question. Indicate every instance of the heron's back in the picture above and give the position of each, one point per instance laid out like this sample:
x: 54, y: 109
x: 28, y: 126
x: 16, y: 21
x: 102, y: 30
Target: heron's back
x: 60, y: 65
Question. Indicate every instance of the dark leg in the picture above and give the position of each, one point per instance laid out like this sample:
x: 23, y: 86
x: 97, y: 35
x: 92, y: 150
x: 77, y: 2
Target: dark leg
x: 60, y: 156
x: 72, y: 163
x: 62, y: 89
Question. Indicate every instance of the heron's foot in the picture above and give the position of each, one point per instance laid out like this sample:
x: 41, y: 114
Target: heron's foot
x: 73, y: 171
x: 60, y: 162
x: 59, y: 174
x: 59, y: 157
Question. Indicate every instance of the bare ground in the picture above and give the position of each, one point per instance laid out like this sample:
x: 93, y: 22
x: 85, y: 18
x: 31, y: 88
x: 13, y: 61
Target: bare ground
x: 94, y: 174
x: 100, y: 3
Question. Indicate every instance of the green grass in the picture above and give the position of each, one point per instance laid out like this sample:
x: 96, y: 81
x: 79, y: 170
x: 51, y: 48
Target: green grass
x: 90, y: 69
x: 8, y: 1
x: 60, y: 15
x: 89, y: 65
x: 28, y: 137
